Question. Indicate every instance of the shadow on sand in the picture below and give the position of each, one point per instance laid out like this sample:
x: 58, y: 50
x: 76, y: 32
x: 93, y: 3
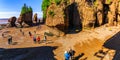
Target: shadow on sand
x: 32, y: 53
x: 114, y: 43
x: 79, y: 56
x: 101, y: 54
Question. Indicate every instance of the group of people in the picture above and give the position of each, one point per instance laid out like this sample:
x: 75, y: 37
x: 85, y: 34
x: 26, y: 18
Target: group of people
x: 69, y: 54
x: 36, y: 38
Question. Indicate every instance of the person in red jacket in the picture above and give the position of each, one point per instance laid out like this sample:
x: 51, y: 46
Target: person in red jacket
x: 38, y: 39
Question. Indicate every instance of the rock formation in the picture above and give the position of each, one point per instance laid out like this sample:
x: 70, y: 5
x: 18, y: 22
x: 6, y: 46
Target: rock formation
x: 35, y: 17
x: 55, y: 18
x: 26, y: 16
x: 12, y: 21
x: 82, y: 14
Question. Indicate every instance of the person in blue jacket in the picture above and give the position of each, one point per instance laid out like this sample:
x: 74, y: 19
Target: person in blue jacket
x: 66, y: 55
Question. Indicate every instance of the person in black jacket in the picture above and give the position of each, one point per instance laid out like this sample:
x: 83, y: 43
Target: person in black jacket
x: 9, y: 39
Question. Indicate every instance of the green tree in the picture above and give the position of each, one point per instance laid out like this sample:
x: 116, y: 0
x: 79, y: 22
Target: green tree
x: 30, y: 9
x: 45, y: 5
x: 25, y: 9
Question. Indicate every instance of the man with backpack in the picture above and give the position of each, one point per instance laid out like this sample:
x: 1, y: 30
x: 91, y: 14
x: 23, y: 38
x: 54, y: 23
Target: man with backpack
x: 67, y: 55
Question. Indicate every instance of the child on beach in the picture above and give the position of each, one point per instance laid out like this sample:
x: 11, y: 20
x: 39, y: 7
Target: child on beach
x: 38, y: 39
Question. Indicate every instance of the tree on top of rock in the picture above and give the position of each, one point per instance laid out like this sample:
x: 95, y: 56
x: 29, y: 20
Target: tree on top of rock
x: 30, y: 9
x: 26, y: 9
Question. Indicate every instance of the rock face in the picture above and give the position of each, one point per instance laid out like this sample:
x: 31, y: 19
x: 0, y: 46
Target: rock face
x: 55, y: 18
x: 99, y: 12
x: 87, y: 14
x: 112, y: 13
x: 82, y: 14
x: 118, y: 16
x: 12, y: 21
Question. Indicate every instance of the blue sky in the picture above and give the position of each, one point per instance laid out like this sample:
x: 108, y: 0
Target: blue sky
x: 9, y: 8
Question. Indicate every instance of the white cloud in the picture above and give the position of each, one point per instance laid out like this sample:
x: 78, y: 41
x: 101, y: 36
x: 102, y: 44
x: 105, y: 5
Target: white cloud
x: 10, y: 14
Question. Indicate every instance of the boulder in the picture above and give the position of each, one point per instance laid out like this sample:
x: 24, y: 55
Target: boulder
x: 12, y: 21
x: 20, y: 21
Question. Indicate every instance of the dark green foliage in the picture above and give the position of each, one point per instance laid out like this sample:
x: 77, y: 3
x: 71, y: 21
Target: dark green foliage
x: 30, y: 9
x: 58, y: 2
x: 26, y: 9
x: 45, y: 5
x: 51, y: 13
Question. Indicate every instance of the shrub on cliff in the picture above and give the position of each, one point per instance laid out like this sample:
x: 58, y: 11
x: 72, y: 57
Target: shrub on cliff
x: 45, y: 5
x: 58, y: 1
x: 96, y: 3
x: 51, y: 13
x: 108, y: 1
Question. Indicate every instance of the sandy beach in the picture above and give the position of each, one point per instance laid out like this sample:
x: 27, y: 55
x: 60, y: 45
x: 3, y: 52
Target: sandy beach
x: 85, y: 44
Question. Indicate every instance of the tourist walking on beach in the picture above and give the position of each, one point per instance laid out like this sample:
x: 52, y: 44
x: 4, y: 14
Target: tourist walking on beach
x: 71, y: 52
x: 34, y: 38
x: 3, y: 35
x: 9, y: 39
x: 38, y: 39
x: 23, y: 33
x: 45, y: 38
x: 67, y: 55
x: 34, y: 32
x: 30, y: 34
x: 20, y: 30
